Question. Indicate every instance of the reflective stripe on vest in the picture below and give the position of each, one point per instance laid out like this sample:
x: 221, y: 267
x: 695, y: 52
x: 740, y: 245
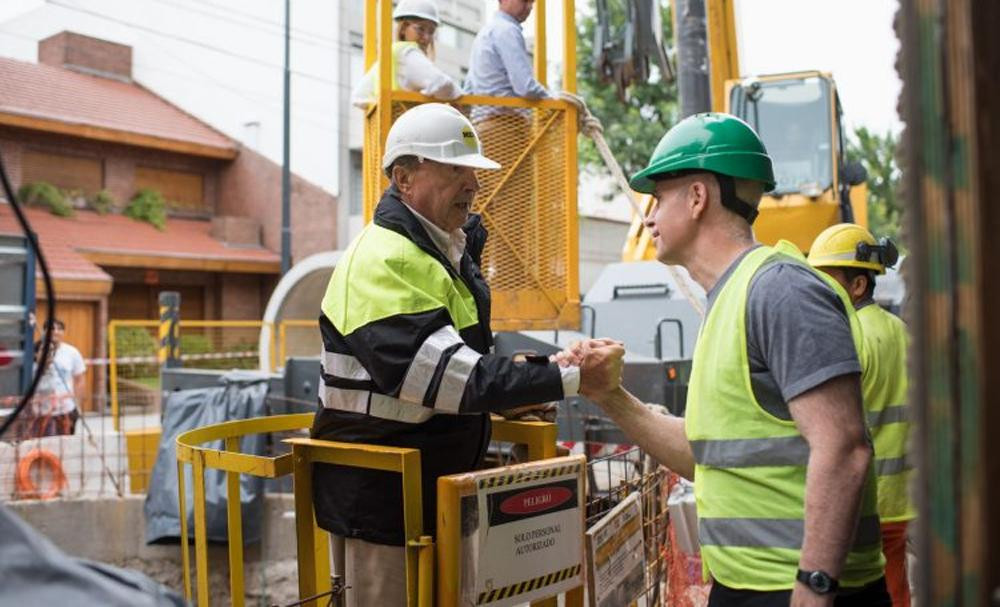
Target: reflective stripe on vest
x: 774, y: 532
x: 398, y: 48
x: 751, y: 452
x: 893, y: 414
x: 750, y: 467
x: 892, y: 465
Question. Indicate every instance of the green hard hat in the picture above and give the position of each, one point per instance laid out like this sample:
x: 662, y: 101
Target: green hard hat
x: 716, y: 142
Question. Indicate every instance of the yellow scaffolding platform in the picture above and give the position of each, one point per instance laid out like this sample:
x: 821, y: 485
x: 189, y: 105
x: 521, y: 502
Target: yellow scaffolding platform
x: 529, y: 206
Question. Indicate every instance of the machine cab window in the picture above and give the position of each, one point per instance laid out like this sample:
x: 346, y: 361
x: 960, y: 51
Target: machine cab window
x: 793, y: 117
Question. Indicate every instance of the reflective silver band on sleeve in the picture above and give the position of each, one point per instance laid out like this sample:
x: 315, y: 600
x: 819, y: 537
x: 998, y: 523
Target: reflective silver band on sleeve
x: 344, y: 366
x: 425, y: 362
x: 456, y: 375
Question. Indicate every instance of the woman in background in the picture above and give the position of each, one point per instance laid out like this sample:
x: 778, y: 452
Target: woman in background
x: 413, y: 66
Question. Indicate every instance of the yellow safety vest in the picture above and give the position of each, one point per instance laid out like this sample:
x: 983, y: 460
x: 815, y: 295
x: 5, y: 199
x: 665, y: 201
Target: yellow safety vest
x: 398, y: 48
x: 883, y: 386
x: 750, y: 466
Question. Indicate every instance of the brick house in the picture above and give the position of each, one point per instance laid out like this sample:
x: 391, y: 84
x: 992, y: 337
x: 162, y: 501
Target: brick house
x: 78, y: 121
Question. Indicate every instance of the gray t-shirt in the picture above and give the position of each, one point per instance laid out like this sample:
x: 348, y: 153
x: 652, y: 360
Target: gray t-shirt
x: 798, y: 334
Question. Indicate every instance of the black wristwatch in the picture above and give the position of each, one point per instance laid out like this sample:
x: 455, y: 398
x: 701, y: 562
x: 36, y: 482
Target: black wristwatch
x: 819, y: 582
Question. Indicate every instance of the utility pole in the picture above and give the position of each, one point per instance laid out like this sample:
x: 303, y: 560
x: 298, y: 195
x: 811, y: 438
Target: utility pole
x: 691, y: 35
x: 286, y: 169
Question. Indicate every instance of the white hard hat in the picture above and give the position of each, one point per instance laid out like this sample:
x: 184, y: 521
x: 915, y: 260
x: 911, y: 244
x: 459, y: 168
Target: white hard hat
x: 438, y: 132
x: 421, y: 9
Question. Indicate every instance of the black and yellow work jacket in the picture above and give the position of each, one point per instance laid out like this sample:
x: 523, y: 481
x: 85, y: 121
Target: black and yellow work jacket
x: 407, y: 363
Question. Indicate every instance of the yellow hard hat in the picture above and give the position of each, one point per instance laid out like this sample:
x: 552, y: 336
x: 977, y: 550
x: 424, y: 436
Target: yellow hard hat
x: 848, y: 245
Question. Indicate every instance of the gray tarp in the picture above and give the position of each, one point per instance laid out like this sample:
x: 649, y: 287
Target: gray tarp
x: 35, y: 572
x: 240, y: 395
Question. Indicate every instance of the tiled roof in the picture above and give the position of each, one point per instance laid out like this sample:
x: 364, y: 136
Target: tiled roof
x: 45, y: 92
x: 67, y: 241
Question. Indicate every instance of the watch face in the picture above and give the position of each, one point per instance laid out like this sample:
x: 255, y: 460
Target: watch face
x: 820, y: 582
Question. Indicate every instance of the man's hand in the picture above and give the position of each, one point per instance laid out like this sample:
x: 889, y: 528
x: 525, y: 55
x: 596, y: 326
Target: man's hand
x: 601, y: 363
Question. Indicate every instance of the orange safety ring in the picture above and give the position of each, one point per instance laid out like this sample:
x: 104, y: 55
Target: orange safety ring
x: 26, y: 487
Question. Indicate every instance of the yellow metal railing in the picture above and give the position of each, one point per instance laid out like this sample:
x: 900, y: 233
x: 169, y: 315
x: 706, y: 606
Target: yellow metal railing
x: 234, y: 463
x: 283, y: 327
x: 312, y: 542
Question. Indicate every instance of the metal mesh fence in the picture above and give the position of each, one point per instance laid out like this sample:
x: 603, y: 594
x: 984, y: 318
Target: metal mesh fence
x: 526, y: 206
x: 134, y: 381
x: 673, y: 575
x: 58, y: 449
x: 55, y: 450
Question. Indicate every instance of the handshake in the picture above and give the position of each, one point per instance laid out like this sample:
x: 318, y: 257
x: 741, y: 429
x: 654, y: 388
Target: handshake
x: 601, y: 363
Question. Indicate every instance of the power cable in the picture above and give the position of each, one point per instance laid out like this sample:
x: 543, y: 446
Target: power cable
x: 50, y: 294
x: 591, y: 126
x: 191, y: 41
x: 317, y: 41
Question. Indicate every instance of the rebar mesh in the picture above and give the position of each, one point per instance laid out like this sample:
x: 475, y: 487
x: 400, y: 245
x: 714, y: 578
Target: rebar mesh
x: 673, y: 577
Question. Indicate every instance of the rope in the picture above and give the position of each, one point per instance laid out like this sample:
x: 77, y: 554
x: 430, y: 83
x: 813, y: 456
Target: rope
x: 591, y: 126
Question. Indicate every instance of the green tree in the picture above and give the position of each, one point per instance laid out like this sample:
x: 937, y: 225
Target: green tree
x: 878, y: 155
x: 634, y: 127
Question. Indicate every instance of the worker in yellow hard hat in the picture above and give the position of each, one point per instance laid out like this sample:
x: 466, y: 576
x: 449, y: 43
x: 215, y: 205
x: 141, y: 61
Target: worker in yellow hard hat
x: 851, y: 255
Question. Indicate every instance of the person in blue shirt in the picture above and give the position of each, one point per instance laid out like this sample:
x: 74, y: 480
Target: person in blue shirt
x: 500, y: 66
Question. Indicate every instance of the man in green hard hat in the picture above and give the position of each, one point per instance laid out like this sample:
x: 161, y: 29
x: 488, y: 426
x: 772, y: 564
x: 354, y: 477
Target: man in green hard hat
x: 774, y: 435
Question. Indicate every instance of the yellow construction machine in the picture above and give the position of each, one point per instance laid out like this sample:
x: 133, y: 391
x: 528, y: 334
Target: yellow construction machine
x: 798, y: 115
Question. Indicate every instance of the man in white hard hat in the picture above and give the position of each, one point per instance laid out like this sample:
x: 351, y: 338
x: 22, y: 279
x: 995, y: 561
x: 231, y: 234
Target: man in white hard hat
x: 406, y: 335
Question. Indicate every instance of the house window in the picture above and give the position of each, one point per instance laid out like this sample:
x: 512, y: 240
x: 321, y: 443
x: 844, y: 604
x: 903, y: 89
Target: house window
x: 68, y: 173
x: 182, y: 190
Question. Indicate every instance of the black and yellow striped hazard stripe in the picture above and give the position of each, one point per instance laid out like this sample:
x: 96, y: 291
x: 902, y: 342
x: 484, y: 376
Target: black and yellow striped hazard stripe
x: 168, y: 334
x: 528, y: 585
x: 528, y: 476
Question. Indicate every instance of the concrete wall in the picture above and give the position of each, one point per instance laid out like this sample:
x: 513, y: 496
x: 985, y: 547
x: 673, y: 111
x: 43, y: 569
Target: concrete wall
x: 112, y: 530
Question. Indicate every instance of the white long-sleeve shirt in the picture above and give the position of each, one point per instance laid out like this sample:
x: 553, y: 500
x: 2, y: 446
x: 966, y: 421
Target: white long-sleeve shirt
x: 415, y: 72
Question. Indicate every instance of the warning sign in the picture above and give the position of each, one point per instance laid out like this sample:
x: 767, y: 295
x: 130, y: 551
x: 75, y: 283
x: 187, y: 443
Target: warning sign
x: 616, y: 562
x: 525, y: 540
